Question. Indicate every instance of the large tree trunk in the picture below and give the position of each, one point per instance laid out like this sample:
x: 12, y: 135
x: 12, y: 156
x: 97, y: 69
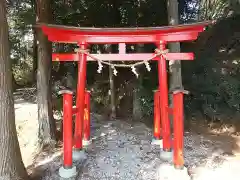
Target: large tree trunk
x: 35, y: 49
x: 116, y: 20
x: 112, y: 94
x: 47, y: 126
x: 35, y: 55
x: 174, y: 66
x: 11, y: 165
x: 137, y: 109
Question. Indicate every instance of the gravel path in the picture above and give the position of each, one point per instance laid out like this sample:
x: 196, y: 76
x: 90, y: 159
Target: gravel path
x: 122, y: 151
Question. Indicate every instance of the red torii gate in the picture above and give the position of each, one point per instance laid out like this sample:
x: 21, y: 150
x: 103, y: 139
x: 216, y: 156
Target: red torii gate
x: 122, y: 36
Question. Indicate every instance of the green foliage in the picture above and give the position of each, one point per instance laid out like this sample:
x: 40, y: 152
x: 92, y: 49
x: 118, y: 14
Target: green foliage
x: 148, y: 84
x: 20, y: 19
x: 213, y: 78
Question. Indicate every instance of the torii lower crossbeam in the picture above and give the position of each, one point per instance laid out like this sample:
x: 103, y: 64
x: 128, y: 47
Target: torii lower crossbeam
x: 122, y: 57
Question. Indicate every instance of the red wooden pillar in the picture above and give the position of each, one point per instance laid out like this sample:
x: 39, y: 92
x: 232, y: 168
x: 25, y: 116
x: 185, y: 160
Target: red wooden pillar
x: 67, y: 128
x: 178, y: 124
x: 157, y: 123
x: 82, y: 69
x: 86, y: 121
x: 163, y: 87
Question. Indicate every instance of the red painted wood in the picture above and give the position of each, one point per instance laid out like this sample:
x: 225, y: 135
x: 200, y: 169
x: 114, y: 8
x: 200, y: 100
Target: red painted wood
x: 122, y: 48
x: 67, y: 130
x: 111, y: 39
x: 122, y: 57
x: 61, y: 38
x: 178, y: 129
x: 86, y: 121
x: 179, y: 36
x: 69, y: 30
x: 163, y: 87
x: 157, y: 120
x: 82, y: 68
x: 74, y: 110
x: 170, y: 110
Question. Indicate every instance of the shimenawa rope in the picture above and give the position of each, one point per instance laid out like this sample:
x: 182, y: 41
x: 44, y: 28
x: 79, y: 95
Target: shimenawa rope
x: 158, y: 52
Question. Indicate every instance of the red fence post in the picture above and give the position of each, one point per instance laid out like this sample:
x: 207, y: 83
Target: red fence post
x: 82, y: 66
x: 86, y: 121
x: 67, y: 128
x: 157, y: 120
x: 178, y: 131
x: 163, y: 87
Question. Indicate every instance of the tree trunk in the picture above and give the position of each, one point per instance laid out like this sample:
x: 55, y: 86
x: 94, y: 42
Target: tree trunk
x: 137, y: 109
x: 112, y: 94
x: 35, y: 55
x: 174, y: 66
x: 114, y: 20
x: 35, y: 49
x: 47, y: 126
x: 11, y: 165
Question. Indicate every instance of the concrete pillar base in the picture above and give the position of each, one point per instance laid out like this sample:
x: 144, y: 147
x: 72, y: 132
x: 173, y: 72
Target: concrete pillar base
x: 158, y: 142
x: 67, y: 172
x: 166, y: 155
x: 78, y: 155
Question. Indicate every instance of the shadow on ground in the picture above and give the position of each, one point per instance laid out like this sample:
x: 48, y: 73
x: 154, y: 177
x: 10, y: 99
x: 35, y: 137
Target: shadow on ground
x: 122, y: 150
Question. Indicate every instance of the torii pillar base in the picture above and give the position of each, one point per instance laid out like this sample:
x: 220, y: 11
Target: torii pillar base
x: 78, y: 155
x: 67, y: 172
x: 166, y: 155
x: 158, y: 142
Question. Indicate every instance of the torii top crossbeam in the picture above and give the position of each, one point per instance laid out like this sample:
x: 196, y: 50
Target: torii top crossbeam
x: 68, y: 34
x: 122, y: 36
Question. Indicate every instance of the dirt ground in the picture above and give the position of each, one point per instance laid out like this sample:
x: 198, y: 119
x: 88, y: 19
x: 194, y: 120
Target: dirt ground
x: 27, y: 126
x: 122, y: 150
